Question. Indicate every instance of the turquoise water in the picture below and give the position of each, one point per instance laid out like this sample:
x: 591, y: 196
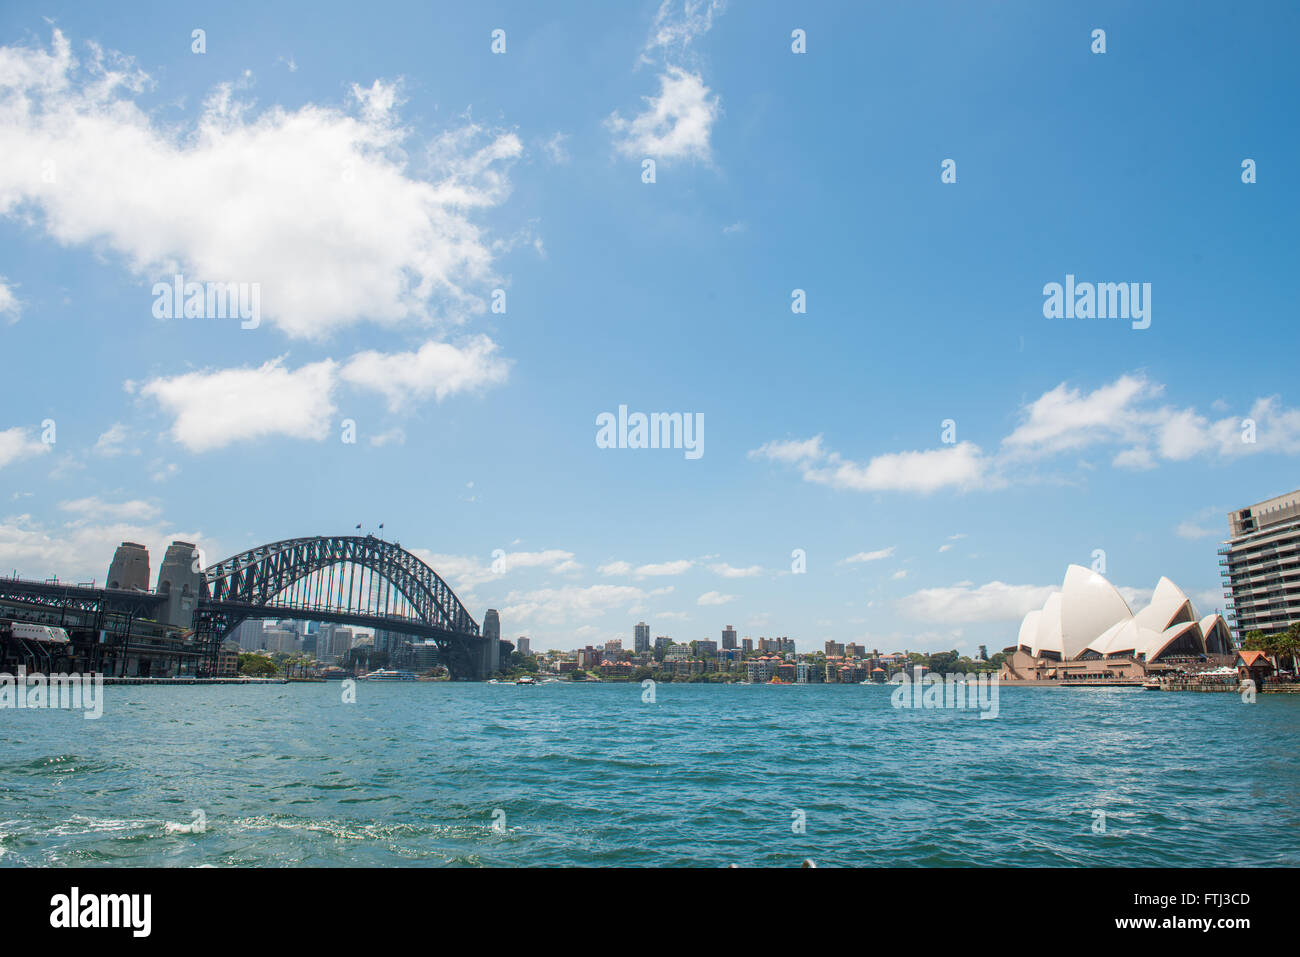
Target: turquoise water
x: 708, y: 775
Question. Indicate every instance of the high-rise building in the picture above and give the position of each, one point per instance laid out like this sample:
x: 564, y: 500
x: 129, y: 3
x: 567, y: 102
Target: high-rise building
x: 747, y: 644
x: 834, y: 649
x: 641, y: 641
x: 523, y: 644
x: 492, y: 647
x: 728, y: 637
x: 661, y: 645
x: 1261, y: 566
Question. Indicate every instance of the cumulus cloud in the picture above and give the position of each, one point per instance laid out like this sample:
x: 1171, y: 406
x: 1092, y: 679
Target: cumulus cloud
x: 17, y: 444
x: 112, y: 440
x: 729, y: 571
x: 959, y: 466
x: 1123, y: 415
x: 9, y: 305
x: 653, y: 570
x: 213, y: 409
x: 468, y: 571
x: 674, y: 125
x: 561, y: 605
x: 868, y: 556
x: 93, y: 507
x: 714, y: 598
x: 318, y: 204
x: 965, y: 602
x: 790, y: 451
x: 81, y: 549
x: 678, y: 24
x: 437, y: 369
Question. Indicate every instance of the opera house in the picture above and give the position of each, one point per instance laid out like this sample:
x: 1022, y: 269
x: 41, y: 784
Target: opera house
x: 1086, y: 632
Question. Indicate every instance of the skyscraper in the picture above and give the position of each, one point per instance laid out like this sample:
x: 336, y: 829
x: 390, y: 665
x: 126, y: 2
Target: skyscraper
x: 641, y: 641
x: 728, y: 637
x: 1260, y: 566
x: 492, y: 647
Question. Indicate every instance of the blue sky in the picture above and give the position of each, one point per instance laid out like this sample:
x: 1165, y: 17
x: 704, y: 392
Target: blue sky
x: 378, y: 172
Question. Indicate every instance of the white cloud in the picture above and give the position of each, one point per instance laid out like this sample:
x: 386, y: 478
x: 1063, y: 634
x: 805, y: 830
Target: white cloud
x: 959, y: 466
x: 714, y: 598
x: 868, y: 556
x: 317, y: 204
x: 728, y: 571
x: 555, y: 149
x: 674, y: 125
x: 438, y: 369
x: 664, y: 568
x: 94, y: 507
x: 213, y: 409
x: 17, y: 444
x: 561, y: 605
x: 80, y: 550
x: 467, y: 571
x: 790, y: 451
x: 944, y: 548
x: 112, y: 440
x: 9, y: 304
x: 959, y: 604
x: 677, y: 24
x: 1063, y: 418
x: 653, y: 570
x: 1121, y: 414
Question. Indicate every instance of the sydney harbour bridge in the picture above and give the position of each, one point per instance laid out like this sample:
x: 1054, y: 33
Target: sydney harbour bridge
x: 344, y: 579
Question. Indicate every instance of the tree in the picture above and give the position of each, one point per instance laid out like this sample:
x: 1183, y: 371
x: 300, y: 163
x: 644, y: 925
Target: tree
x: 257, y: 666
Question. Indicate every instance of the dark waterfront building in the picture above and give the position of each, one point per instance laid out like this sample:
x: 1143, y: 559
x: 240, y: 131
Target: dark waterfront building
x: 1260, y: 565
x: 641, y: 639
x: 729, y: 637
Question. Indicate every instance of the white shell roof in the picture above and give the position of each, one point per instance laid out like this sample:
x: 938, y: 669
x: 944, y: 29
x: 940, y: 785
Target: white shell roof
x: 1089, y: 614
x: 1168, y: 604
x: 1048, y: 634
x: 1089, y: 606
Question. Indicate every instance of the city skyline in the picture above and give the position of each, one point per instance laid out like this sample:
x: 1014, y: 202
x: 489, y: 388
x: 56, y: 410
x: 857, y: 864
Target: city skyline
x: 907, y: 463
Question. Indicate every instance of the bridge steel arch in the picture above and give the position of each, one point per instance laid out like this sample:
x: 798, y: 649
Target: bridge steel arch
x: 288, y: 579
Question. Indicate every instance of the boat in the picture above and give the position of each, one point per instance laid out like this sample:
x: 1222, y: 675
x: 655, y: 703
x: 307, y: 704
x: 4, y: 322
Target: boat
x: 389, y: 674
x: 525, y: 680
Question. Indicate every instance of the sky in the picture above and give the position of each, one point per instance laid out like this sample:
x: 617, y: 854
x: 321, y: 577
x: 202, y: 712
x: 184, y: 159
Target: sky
x: 841, y: 266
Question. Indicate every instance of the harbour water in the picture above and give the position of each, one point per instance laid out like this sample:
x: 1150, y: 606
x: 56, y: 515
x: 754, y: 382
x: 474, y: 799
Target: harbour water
x: 707, y: 775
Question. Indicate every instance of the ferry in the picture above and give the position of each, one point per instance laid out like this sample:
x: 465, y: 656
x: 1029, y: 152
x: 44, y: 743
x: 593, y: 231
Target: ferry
x: 388, y: 674
x: 526, y: 680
